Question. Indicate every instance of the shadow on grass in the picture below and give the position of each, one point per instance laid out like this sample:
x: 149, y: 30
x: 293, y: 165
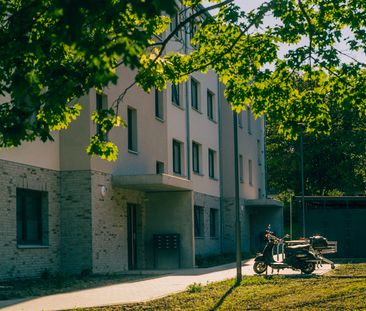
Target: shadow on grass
x: 222, y: 299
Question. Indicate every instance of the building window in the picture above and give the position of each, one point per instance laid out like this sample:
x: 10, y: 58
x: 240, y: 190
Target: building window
x: 249, y: 120
x: 250, y: 172
x: 198, y: 221
x: 32, y: 217
x: 101, y: 103
x: 211, y: 163
x: 210, y: 105
x: 175, y: 94
x: 177, y: 157
x: 196, y: 157
x: 195, y: 95
x: 159, y: 108
x: 259, y: 153
x: 132, y: 129
x: 214, y: 222
x: 159, y: 167
x: 240, y: 119
x: 174, y: 22
x: 241, y: 168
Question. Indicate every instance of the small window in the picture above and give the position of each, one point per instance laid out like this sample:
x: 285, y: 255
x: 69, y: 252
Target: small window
x: 249, y: 120
x: 195, y: 95
x: 101, y: 103
x: 210, y: 105
x: 175, y: 94
x: 250, y: 168
x: 177, y: 157
x: 159, y: 106
x: 214, y: 222
x: 240, y: 119
x: 196, y: 157
x: 241, y: 168
x: 132, y: 129
x: 198, y: 221
x: 174, y: 22
x: 159, y: 167
x: 259, y: 153
x: 211, y: 163
x: 32, y: 217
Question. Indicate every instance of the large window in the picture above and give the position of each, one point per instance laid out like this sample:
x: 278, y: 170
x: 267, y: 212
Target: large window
x: 211, y: 163
x: 195, y: 94
x: 101, y: 103
x: 210, y: 105
x: 198, y: 221
x: 196, y: 157
x: 32, y: 217
x: 159, y: 106
x: 132, y: 129
x: 177, y: 157
x: 214, y: 222
x: 259, y: 153
x: 175, y: 94
x: 240, y: 119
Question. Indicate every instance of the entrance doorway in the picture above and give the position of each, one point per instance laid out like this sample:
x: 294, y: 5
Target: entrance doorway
x: 132, y: 235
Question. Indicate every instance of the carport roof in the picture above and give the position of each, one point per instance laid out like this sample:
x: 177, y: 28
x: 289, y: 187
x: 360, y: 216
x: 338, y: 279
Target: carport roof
x: 263, y: 203
x: 152, y: 183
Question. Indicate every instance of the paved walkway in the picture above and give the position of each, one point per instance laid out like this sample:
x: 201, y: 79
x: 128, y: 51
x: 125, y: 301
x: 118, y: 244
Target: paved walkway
x: 136, y: 291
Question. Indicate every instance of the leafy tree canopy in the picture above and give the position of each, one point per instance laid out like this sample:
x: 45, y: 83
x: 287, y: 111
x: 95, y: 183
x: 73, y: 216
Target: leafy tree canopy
x: 52, y: 52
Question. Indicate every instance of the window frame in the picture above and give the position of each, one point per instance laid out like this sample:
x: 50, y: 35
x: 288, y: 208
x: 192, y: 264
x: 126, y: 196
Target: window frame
x: 211, y: 115
x: 195, y: 92
x: 199, y: 221
x: 196, y: 157
x: 214, y: 222
x: 241, y: 168
x: 175, y: 95
x: 211, y: 163
x: 23, y: 207
x: 101, y: 102
x: 132, y: 130
x: 250, y: 171
x: 177, y: 154
x: 159, y: 105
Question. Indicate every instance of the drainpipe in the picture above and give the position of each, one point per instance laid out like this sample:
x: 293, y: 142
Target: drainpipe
x: 188, y: 133
x: 220, y: 166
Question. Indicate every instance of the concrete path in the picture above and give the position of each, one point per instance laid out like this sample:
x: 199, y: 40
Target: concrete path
x: 136, y: 291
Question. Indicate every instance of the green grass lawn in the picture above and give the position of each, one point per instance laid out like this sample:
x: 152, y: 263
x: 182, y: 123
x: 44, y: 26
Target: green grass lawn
x: 341, y: 289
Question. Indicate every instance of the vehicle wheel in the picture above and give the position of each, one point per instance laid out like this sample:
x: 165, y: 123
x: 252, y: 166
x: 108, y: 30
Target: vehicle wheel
x: 308, y: 267
x: 259, y: 267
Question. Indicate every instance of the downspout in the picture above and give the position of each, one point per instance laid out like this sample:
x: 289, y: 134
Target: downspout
x: 188, y: 132
x: 220, y: 166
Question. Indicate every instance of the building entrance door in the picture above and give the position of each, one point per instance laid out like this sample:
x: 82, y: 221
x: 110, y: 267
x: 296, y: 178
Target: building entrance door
x: 131, y: 236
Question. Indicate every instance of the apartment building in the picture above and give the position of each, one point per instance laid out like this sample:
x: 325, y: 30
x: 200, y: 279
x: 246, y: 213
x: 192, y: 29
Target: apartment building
x: 168, y: 198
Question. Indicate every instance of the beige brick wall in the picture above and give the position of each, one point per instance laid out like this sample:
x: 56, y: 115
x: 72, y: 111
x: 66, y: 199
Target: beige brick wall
x: 76, y: 221
x: 27, y: 262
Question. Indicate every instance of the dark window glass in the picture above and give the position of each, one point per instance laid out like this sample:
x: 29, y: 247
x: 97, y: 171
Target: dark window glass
x: 210, y: 106
x: 159, y: 112
x: 177, y: 165
x: 31, y: 217
x: 175, y: 94
x: 159, y: 167
x: 198, y: 221
x: 132, y: 129
x: 241, y: 168
x: 214, y: 220
x: 194, y: 94
x: 196, y: 157
x: 211, y: 163
x: 101, y: 103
